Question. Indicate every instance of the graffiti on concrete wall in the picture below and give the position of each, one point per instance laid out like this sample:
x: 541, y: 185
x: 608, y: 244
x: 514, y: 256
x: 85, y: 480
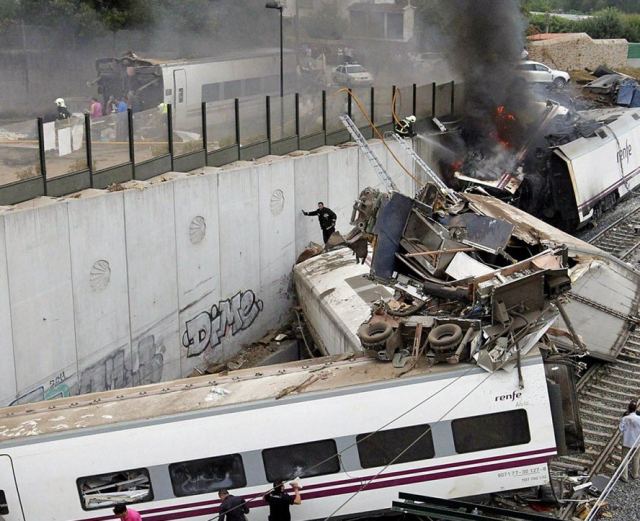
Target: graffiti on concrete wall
x: 113, y: 371
x: 233, y: 315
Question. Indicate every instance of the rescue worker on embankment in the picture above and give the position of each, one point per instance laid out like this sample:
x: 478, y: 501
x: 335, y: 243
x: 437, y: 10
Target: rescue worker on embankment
x: 326, y: 218
x: 404, y: 127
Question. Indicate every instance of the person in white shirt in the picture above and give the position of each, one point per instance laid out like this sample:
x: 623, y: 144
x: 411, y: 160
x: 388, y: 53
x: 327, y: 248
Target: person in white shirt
x: 630, y: 429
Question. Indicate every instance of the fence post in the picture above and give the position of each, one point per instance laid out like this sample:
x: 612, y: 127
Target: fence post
x: 414, y: 102
x: 132, y: 148
x: 324, y: 115
x: 43, y: 162
x: 393, y: 103
x: 453, y: 96
x: 433, y: 99
x: 205, y: 138
x: 236, y: 112
x: 87, y: 133
x: 373, y: 107
x: 297, y: 110
x: 349, y: 108
x: 268, y: 114
x: 170, y: 132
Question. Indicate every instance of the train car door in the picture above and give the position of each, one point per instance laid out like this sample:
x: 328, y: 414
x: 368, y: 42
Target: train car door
x: 10, y: 506
x: 179, y: 94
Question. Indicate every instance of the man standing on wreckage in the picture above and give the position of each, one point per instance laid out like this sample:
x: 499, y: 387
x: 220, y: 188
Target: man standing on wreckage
x: 326, y: 218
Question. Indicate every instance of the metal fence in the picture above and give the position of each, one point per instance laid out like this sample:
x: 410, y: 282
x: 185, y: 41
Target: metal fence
x: 61, y: 157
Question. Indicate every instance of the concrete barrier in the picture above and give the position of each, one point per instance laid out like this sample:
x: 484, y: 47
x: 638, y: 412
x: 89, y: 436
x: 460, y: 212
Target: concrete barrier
x: 107, y: 289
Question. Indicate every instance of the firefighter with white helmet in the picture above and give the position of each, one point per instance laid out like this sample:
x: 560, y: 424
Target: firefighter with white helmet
x: 404, y: 127
x: 63, y: 111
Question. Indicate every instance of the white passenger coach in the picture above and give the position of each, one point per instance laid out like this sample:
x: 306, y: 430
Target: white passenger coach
x: 354, y: 432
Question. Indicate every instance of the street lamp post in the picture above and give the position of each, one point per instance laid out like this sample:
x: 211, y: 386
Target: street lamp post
x: 280, y: 7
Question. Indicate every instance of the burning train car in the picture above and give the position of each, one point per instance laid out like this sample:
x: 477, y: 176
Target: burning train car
x: 570, y: 168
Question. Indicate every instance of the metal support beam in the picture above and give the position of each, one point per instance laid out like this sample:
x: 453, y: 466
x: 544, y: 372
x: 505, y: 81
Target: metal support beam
x: 205, y: 138
x: 43, y: 161
x: 170, y: 132
x: 297, y: 114
x: 132, y: 148
x: 236, y: 112
x: 324, y: 115
x: 414, y: 99
x: 268, y: 114
x: 434, y: 87
x: 88, y: 149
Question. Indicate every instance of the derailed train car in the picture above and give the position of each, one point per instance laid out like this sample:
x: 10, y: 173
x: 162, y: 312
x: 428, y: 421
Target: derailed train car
x: 186, y: 84
x: 575, y: 167
x: 354, y: 432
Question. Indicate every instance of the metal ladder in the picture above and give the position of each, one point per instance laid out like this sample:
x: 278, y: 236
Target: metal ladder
x: 364, y: 146
x: 425, y: 168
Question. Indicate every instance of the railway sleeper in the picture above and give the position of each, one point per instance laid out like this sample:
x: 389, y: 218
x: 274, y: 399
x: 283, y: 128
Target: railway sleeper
x: 602, y: 425
x: 633, y: 389
x: 623, y: 396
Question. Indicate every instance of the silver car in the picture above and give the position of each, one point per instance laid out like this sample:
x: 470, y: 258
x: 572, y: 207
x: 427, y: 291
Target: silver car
x: 535, y: 72
x: 352, y: 74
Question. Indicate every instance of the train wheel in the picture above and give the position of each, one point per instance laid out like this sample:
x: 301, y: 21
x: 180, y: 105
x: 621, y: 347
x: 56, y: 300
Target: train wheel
x: 374, y: 333
x: 444, y: 337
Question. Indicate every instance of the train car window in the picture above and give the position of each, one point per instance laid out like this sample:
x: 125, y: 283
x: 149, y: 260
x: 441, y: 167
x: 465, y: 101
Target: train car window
x: 106, y: 490
x: 232, y: 89
x: 303, y: 460
x: 203, y: 476
x: 491, y: 431
x: 383, y: 447
x: 4, y: 507
x: 252, y: 86
x: 211, y: 92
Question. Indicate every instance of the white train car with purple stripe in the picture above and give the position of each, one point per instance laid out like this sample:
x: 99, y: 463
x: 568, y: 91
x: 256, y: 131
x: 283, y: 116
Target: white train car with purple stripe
x: 354, y: 431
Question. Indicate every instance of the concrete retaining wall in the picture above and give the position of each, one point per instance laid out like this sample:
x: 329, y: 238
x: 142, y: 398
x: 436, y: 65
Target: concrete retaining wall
x: 110, y: 289
x: 578, y: 51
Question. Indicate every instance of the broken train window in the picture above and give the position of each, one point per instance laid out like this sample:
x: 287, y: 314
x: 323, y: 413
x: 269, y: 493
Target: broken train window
x: 4, y: 507
x: 491, y: 431
x: 395, y: 445
x: 105, y: 490
x: 203, y: 476
x: 302, y: 460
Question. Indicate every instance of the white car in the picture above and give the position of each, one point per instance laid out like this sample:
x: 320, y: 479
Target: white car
x: 352, y: 74
x: 535, y: 72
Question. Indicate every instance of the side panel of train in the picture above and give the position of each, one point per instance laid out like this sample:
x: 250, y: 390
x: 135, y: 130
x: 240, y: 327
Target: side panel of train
x: 187, y: 85
x: 605, y: 166
x: 475, y: 433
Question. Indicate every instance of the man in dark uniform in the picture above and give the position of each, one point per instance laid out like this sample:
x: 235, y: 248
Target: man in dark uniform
x: 279, y: 501
x: 327, y: 219
x: 232, y: 508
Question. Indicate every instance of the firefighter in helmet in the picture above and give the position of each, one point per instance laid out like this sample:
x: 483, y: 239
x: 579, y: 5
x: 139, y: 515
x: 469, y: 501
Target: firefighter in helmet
x: 404, y: 127
x: 63, y: 111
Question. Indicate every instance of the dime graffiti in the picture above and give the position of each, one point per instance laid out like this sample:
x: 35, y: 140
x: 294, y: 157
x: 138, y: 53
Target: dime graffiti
x: 207, y: 329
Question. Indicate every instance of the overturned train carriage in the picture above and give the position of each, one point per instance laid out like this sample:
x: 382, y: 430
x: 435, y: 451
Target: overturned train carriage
x: 352, y: 428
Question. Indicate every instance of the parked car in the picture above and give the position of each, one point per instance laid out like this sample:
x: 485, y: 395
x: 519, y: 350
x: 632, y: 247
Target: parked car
x: 352, y: 74
x: 534, y: 72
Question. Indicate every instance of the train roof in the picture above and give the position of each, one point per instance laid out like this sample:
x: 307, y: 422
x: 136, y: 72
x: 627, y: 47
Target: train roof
x: 230, y: 56
x: 205, y: 395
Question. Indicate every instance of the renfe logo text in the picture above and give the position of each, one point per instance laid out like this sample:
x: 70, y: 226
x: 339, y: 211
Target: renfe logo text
x: 509, y: 397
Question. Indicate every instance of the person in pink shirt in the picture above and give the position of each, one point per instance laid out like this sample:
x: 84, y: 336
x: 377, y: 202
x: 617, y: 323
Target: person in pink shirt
x: 127, y: 514
x: 96, y: 109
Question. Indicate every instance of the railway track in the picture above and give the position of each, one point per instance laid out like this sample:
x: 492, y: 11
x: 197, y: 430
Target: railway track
x: 606, y: 388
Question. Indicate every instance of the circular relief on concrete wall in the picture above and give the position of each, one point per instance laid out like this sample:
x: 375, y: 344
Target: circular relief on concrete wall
x: 197, y: 229
x: 100, y: 275
x: 277, y: 202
